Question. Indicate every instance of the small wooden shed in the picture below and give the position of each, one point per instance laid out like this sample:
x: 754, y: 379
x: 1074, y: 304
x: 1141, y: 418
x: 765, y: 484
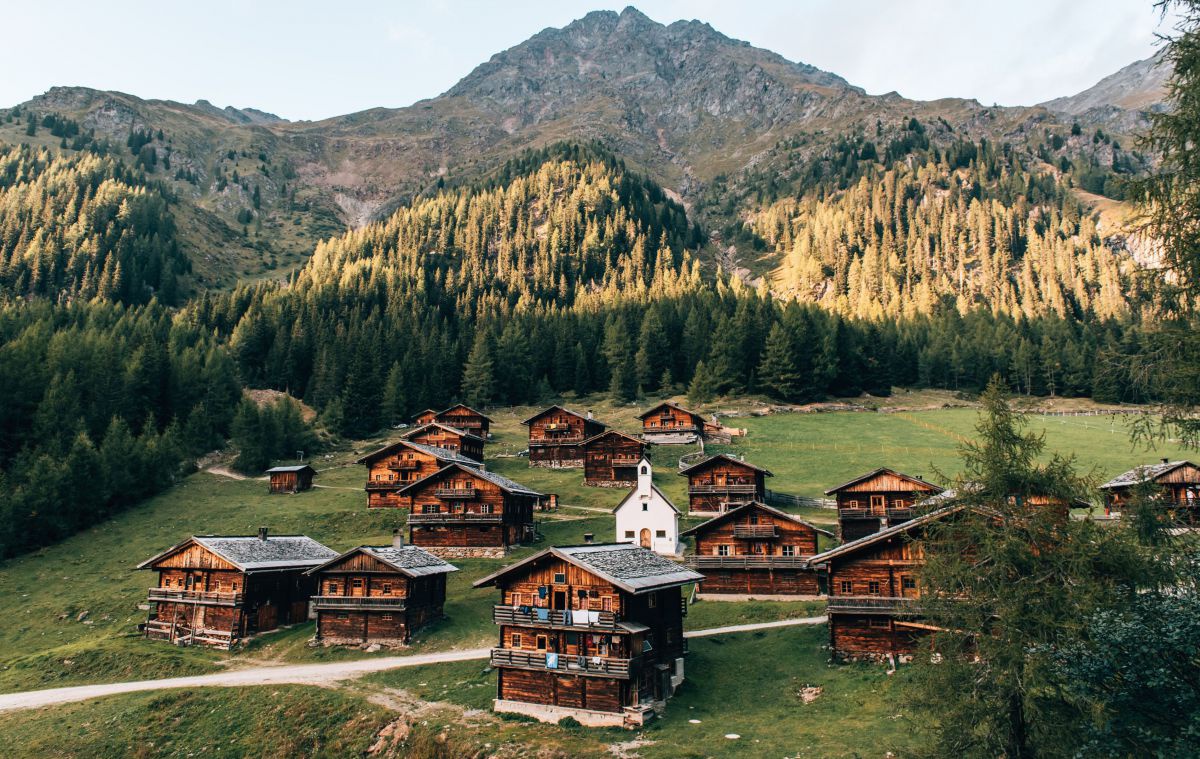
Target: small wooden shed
x: 291, y: 479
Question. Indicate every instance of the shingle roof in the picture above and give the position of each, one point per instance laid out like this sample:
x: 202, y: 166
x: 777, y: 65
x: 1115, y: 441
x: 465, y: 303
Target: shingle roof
x: 879, y: 471
x: 291, y: 468
x: 727, y: 457
x: 631, y: 568
x: 492, y: 477
x: 439, y: 425
x: 409, y: 560
x: 675, y: 406
x: 1144, y: 473
x: 251, y: 553
x: 764, y: 507
x: 866, y: 540
x: 607, y: 433
x: 556, y: 407
x: 442, y: 454
x: 465, y: 407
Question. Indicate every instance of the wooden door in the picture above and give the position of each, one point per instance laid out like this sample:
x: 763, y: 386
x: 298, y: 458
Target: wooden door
x: 644, y: 537
x: 560, y: 600
x: 356, y: 587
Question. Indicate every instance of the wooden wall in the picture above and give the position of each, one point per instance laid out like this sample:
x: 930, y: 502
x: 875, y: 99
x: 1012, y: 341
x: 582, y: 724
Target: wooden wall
x: 720, y: 473
x: 380, y: 470
x: 783, y: 582
x: 596, y: 693
x: 668, y: 419
x: 800, y: 537
x: 441, y: 438
x: 598, y: 467
x: 466, y: 420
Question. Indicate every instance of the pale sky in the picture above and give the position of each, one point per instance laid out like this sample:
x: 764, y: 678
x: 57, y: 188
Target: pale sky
x: 310, y: 60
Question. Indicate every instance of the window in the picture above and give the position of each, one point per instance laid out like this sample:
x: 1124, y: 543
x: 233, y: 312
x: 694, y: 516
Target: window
x: 645, y: 507
x: 660, y: 533
x: 386, y: 617
x: 789, y: 550
x: 485, y: 508
x: 853, y: 505
x: 877, y: 501
x: 754, y: 519
x: 606, y: 603
x: 235, y: 584
x: 908, y: 583
x: 629, y: 534
x: 722, y: 550
x: 333, y: 588
x: 356, y: 583
x: 560, y: 578
x: 387, y: 589
x: 515, y: 641
x: 873, y: 587
x: 846, y: 587
x: 541, y: 642
x: 343, y: 615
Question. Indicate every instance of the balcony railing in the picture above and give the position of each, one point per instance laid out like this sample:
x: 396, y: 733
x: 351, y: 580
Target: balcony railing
x: 208, y: 597
x: 595, y: 666
x: 454, y: 516
x: 901, y: 512
x: 455, y: 492
x: 509, y: 615
x: 873, y: 604
x: 625, y: 460
x: 746, y: 562
x: 860, y: 513
x: 385, y: 485
x: 405, y: 464
x: 730, y: 488
x: 386, y: 603
x: 755, y: 531
x: 555, y: 439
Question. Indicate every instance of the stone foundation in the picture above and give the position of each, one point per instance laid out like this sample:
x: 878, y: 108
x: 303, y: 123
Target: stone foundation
x: 552, y: 714
x: 849, y: 657
x: 610, y: 483
x: 360, y: 643
x: 756, y: 597
x: 558, y: 464
x: 463, y: 552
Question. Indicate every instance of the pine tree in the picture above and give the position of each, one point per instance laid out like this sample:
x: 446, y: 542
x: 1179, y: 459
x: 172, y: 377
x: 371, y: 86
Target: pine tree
x: 479, y: 382
x: 703, y: 387
x: 778, y: 372
x: 395, y: 408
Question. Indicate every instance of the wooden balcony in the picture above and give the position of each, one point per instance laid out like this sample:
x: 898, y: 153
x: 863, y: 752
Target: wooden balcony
x: 591, y: 666
x: 873, y: 604
x: 565, y: 439
x: 623, y: 460
x: 509, y: 615
x: 405, y: 465
x: 901, y: 513
x: 444, y: 517
x: 385, y: 484
x: 206, y: 597
x: 455, y: 492
x: 846, y: 513
x: 359, y: 603
x: 756, y: 531
x: 704, y: 489
x: 746, y: 562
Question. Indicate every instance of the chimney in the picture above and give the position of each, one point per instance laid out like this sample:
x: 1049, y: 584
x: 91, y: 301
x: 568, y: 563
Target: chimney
x: 397, y: 538
x: 262, y: 533
x: 590, y: 414
x: 1165, y: 461
x: 589, y: 537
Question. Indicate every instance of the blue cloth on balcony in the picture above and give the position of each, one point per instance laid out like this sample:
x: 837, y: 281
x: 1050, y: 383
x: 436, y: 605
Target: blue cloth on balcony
x: 567, y: 617
x: 543, y: 615
x: 543, y: 591
x: 551, y: 661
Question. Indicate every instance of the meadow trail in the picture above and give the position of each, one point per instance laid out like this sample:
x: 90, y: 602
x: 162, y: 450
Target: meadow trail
x: 305, y: 674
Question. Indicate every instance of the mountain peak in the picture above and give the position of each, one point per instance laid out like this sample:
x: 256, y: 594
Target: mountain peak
x: 1140, y: 86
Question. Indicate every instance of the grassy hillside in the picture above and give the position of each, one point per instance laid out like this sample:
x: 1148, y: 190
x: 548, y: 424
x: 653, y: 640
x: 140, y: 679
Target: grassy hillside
x: 48, y: 641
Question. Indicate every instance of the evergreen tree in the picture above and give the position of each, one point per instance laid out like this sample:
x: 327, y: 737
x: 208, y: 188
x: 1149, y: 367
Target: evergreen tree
x: 703, y: 387
x: 778, y: 372
x: 479, y: 382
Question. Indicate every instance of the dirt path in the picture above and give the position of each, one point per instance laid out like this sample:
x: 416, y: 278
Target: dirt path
x: 222, y: 471
x: 303, y: 674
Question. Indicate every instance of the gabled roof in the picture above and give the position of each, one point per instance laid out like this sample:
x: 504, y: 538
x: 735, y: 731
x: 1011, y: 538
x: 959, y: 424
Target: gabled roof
x: 1144, y: 473
x: 441, y: 454
x: 903, y: 527
x: 420, y: 414
x: 251, y: 553
x: 884, y: 470
x: 669, y: 404
x: 712, y: 459
x: 464, y: 407
x: 409, y: 560
x: 566, y: 410
x: 633, y: 491
x: 503, y: 482
x: 417, y: 430
x: 291, y: 468
x: 631, y: 568
x: 606, y: 433
x: 754, y: 504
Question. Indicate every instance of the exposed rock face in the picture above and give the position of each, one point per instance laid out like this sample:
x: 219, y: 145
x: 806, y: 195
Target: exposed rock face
x: 1140, y: 86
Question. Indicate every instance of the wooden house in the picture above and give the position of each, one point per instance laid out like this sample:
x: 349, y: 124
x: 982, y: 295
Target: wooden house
x: 290, y: 479
x: 428, y: 416
x: 468, y: 512
x: 756, y: 550
x: 556, y: 436
x: 877, y: 500
x: 646, y: 517
x: 722, y: 482
x: 400, y: 464
x: 671, y: 424
x: 1174, y: 485
x: 463, y: 417
x: 438, y: 435
x: 215, y: 590
x: 611, y: 459
x: 593, y: 632
x: 378, y: 594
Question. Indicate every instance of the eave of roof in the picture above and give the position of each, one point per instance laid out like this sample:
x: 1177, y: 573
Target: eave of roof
x: 502, y: 482
x: 884, y: 534
x: 442, y: 426
x: 669, y: 404
x: 627, y: 436
x: 880, y: 471
x: 433, y: 569
x: 682, y: 577
x: 727, y: 457
x: 769, y: 509
x: 654, y: 488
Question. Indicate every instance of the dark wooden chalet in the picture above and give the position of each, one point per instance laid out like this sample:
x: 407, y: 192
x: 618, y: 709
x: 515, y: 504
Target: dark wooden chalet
x: 671, y: 424
x: 428, y: 416
x: 400, y: 464
x: 378, y: 594
x: 463, y: 417
x: 878, y: 499
x: 215, y: 590
x: 556, y: 436
x: 756, y: 550
x: 290, y: 479
x: 462, y: 511
x: 593, y: 632
x: 611, y: 459
x: 722, y: 482
x: 1175, y: 485
x: 438, y: 435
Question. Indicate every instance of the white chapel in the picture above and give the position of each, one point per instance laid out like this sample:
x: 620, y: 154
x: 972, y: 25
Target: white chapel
x: 647, y: 518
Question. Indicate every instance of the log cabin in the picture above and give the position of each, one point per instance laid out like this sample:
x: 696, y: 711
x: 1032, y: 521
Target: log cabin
x: 556, y: 436
x: 756, y: 550
x: 216, y: 590
x: 402, y: 463
x: 721, y: 482
x: 438, y: 435
x: 878, y: 499
x: 593, y: 632
x: 290, y: 479
x: 467, y: 512
x: 378, y: 594
x: 1173, y: 485
x: 428, y: 416
x: 463, y: 417
x: 611, y: 459
x: 671, y: 424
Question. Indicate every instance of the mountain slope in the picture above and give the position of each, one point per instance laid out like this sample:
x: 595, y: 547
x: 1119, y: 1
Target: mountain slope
x: 1140, y: 86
